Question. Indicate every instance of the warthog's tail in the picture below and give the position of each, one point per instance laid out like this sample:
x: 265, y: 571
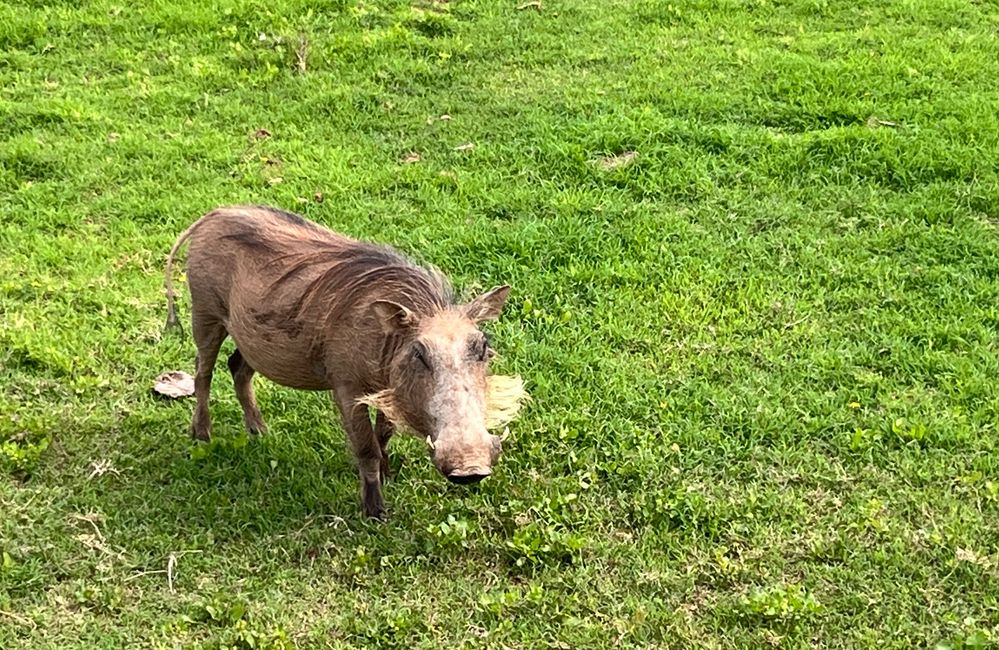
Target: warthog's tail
x: 172, y: 322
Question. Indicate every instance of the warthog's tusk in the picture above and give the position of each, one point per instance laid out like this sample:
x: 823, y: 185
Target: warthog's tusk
x: 430, y: 443
x: 506, y: 434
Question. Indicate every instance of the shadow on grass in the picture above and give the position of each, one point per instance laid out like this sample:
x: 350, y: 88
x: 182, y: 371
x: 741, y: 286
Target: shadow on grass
x: 240, y: 495
x: 132, y: 491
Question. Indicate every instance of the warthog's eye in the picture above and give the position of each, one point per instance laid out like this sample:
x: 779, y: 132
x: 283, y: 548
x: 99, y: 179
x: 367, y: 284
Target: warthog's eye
x: 420, y: 354
x: 481, y: 350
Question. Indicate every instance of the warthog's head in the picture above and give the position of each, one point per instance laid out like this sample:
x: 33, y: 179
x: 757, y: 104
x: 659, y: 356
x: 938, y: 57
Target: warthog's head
x: 439, y: 386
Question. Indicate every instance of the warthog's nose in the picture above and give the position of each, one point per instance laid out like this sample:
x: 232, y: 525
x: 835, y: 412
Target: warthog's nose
x: 468, y: 476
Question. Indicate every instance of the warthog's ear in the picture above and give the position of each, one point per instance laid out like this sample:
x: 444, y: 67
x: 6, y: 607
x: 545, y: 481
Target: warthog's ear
x: 489, y: 305
x: 392, y: 316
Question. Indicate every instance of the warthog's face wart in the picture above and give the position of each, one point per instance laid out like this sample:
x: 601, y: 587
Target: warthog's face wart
x: 439, y: 385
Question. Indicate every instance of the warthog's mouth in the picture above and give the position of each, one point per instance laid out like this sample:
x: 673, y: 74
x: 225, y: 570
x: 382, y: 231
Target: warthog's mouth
x: 504, y: 396
x: 469, y: 476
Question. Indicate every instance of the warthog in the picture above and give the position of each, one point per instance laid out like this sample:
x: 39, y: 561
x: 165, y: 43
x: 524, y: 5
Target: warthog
x: 316, y: 310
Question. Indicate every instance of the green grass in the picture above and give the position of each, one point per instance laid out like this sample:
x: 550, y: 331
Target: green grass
x: 762, y: 353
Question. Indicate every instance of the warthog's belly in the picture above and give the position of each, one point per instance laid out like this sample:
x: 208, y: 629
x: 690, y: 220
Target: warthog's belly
x: 278, y: 348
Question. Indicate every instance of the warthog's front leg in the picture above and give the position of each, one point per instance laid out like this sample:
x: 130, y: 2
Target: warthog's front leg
x: 366, y: 446
x: 384, y: 430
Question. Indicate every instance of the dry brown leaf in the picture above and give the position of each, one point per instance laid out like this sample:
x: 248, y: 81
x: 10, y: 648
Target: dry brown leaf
x: 261, y: 134
x: 969, y: 555
x: 411, y: 157
x: 468, y: 146
x: 174, y: 384
x: 609, y: 163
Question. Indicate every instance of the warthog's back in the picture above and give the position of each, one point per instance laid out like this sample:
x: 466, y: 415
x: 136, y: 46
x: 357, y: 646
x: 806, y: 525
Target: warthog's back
x: 294, y: 295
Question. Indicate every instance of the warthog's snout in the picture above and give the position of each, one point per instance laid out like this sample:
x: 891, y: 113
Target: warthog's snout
x: 469, y: 475
x: 463, y: 462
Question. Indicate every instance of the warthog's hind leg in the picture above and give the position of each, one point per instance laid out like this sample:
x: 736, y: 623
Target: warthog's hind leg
x: 242, y: 379
x: 208, y: 336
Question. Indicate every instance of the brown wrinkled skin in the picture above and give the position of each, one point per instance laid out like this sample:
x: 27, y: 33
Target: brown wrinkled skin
x: 315, y: 310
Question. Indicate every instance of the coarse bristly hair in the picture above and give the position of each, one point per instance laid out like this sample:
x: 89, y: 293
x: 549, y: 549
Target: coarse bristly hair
x: 505, y: 395
x: 353, y: 272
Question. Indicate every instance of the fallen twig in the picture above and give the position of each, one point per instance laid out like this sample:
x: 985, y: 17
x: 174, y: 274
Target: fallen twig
x: 23, y: 620
x: 302, y: 53
x: 171, y: 563
x: 90, y: 520
x: 102, y: 467
x: 875, y: 122
x: 136, y: 576
x: 794, y: 324
x: 172, y: 566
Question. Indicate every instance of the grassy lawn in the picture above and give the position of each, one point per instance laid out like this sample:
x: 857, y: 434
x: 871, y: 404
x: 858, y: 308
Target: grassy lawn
x: 756, y: 302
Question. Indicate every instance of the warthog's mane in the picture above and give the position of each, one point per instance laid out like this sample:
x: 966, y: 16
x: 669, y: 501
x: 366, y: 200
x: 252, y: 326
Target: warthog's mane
x: 370, y: 271
x: 360, y: 272
x: 346, y: 273
x: 505, y: 395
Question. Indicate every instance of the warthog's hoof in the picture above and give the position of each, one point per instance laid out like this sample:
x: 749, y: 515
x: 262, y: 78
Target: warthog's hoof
x: 202, y: 433
x: 374, y: 506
